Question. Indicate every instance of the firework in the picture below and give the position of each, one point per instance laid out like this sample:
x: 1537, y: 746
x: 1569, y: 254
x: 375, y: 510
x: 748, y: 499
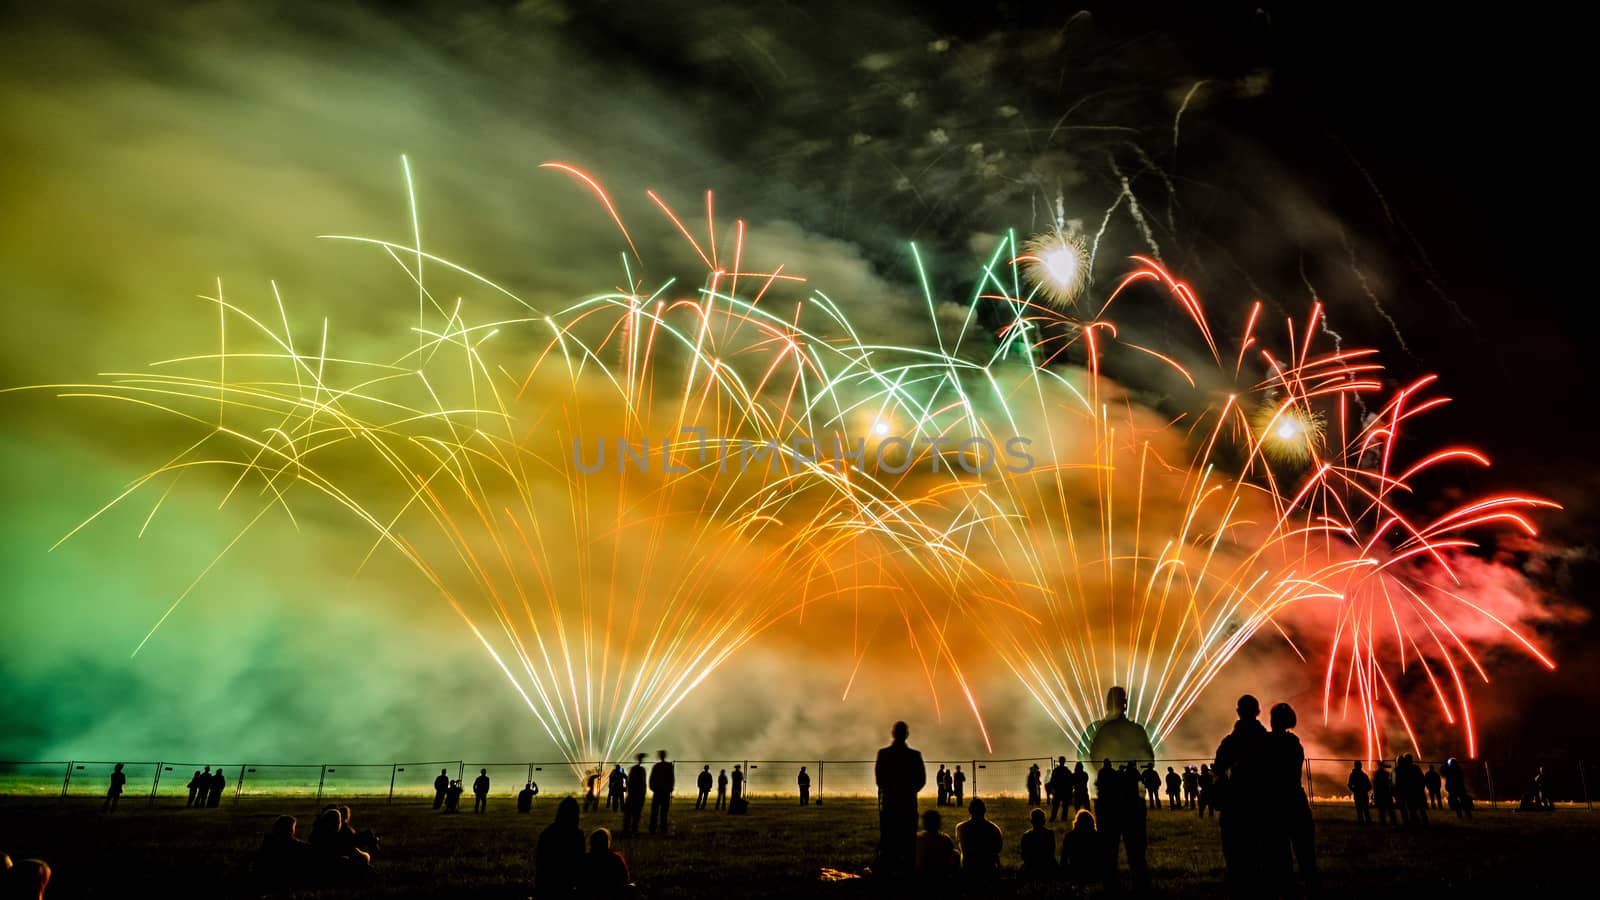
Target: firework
x: 1139, y: 546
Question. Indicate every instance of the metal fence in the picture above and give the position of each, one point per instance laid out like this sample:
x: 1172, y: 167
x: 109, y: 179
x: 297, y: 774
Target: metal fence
x: 167, y: 783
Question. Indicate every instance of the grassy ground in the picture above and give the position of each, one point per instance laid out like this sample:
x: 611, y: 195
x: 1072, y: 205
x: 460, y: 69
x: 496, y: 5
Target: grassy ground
x: 775, y: 852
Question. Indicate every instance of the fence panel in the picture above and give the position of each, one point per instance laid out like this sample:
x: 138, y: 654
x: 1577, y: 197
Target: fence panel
x: 415, y: 780
x: 93, y: 779
x: 350, y: 781
x: 261, y: 780
x: 32, y: 779
x: 506, y: 780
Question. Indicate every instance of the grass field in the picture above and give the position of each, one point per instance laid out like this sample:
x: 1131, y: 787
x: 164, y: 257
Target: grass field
x: 775, y: 852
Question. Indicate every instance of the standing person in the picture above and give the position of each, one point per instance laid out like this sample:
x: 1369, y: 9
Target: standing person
x: 1361, y: 792
x: 440, y: 786
x: 633, y: 806
x: 1038, y: 848
x: 1204, y: 784
x: 899, y: 774
x: 1080, y: 787
x: 1455, y: 785
x: 1062, y: 787
x: 1119, y: 737
x: 738, y: 785
x: 1433, y: 782
x: 662, y: 780
x: 618, y: 788
x: 452, y: 796
x: 1290, y: 810
x: 941, y: 781
x: 1241, y: 773
x: 558, y: 856
x: 1413, y: 791
x: 114, y: 792
x: 958, y: 788
x: 480, y: 792
x: 1174, y: 788
x: 1152, y: 786
x: 196, y: 782
x: 703, y: 784
x: 1121, y: 817
x: 980, y: 840
x: 722, y: 787
x: 1035, y: 781
x: 1383, y: 793
x: 218, y: 783
x: 525, y: 798
x: 591, y: 789
x: 804, y: 781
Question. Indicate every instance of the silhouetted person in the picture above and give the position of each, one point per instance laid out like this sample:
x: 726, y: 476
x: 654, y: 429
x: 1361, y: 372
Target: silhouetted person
x: 284, y: 861
x: 1383, y: 793
x: 452, y: 796
x: 722, y: 787
x: 1241, y: 774
x: 605, y: 871
x: 1289, y: 813
x: 558, y: 856
x: 1174, y: 789
x: 1038, y: 849
x: 1061, y: 787
x: 1361, y: 792
x: 935, y: 858
x: 1081, y: 856
x: 525, y: 797
x: 980, y: 840
x: 114, y: 792
x: 1433, y: 782
x: 480, y: 791
x: 1205, y: 782
x: 633, y: 805
x: 618, y: 788
x: 1455, y: 785
x: 703, y: 784
x: 1191, y: 787
x: 1120, y: 815
x: 26, y: 878
x: 195, y: 784
x: 1411, y: 792
x: 364, y: 839
x: 1035, y: 782
x: 1152, y: 786
x: 335, y: 858
x: 218, y: 783
x: 899, y: 774
x: 1118, y: 737
x: 662, y: 781
x: 440, y: 786
x: 1080, y: 787
x: 958, y: 787
x: 738, y: 786
x: 804, y: 782
x: 941, y: 781
x: 591, y: 790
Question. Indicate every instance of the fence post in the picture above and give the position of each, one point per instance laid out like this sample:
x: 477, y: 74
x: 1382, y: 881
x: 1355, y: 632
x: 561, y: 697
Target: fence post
x: 238, y: 788
x: 1489, y: 776
x: 156, y: 783
x: 1310, y: 794
x: 394, y: 769
x: 1583, y: 777
x: 67, y: 780
x: 321, y: 778
x: 820, y: 772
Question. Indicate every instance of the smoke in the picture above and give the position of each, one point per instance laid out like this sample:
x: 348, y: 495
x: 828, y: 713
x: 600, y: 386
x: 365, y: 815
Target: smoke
x: 156, y: 156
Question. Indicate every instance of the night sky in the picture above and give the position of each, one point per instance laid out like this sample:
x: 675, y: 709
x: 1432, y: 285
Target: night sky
x: 1416, y: 175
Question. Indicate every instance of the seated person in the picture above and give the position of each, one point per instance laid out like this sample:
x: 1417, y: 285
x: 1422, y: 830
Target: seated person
x: 980, y: 841
x: 605, y: 872
x: 1038, y: 848
x: 936, y: 853
x: 283, y: 860
x: 25, y: 879
x: 1081, y: 854
x: 334, y: 855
